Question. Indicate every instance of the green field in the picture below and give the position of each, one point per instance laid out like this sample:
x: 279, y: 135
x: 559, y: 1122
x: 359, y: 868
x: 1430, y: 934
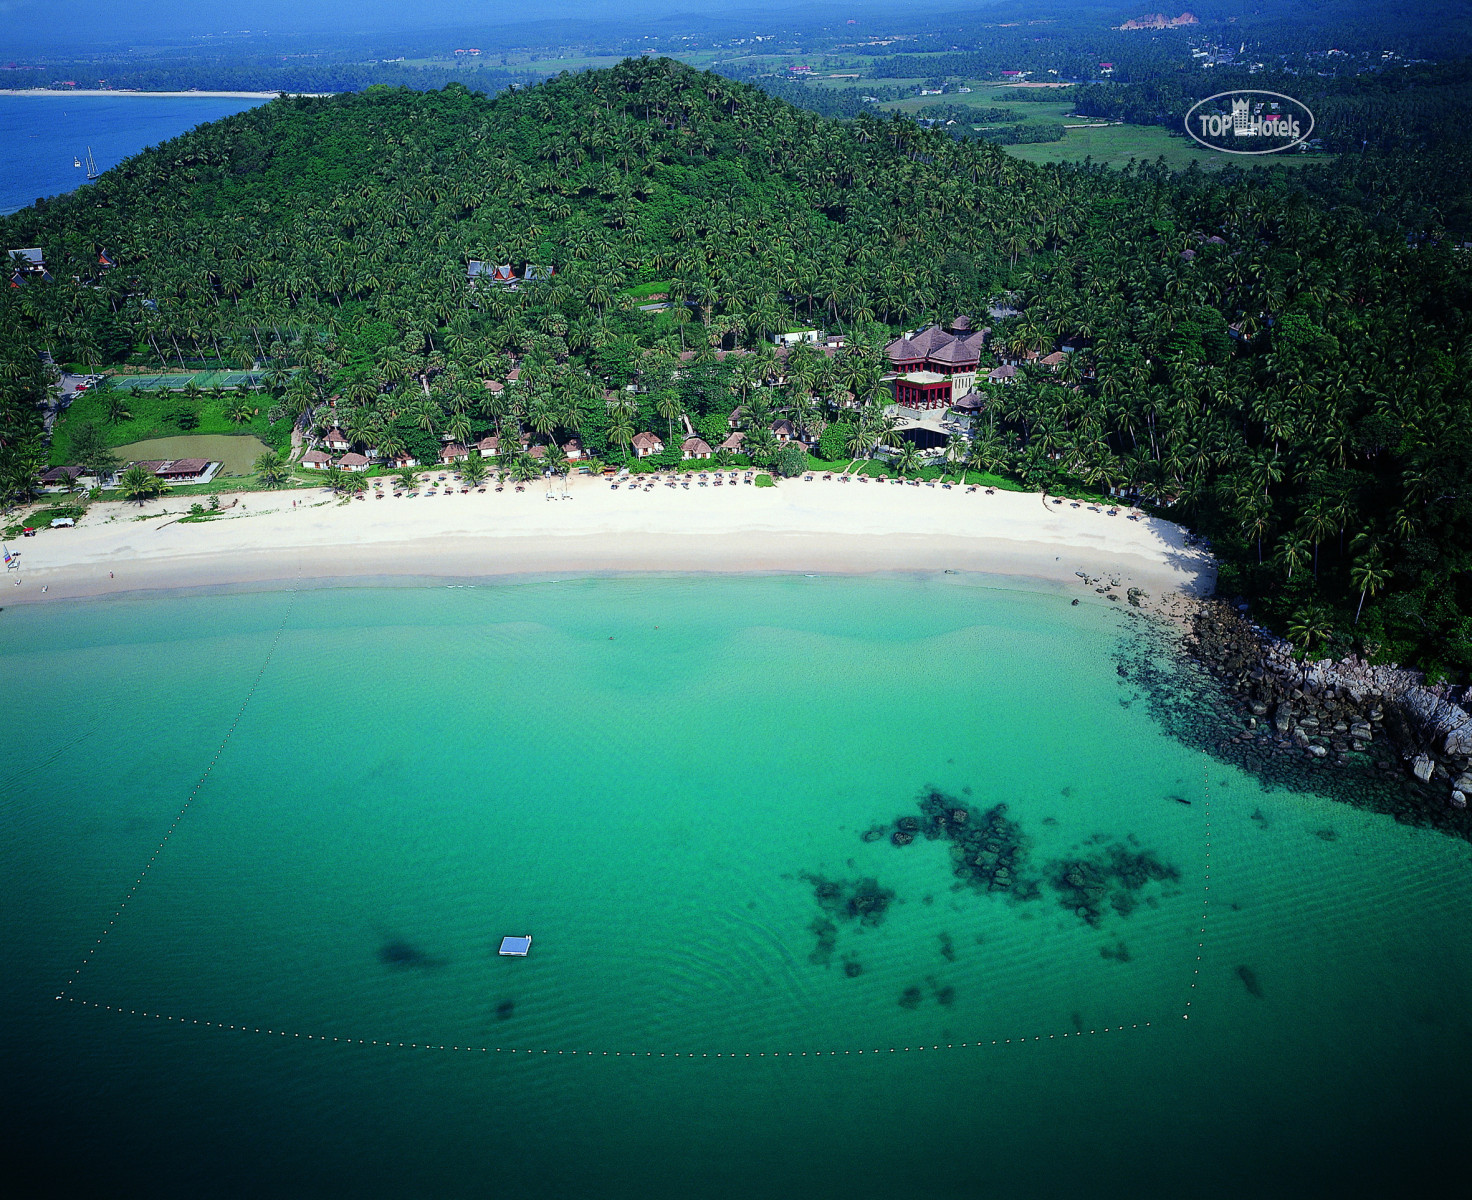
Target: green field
x: 1115, y: 145
x: 161, y: 415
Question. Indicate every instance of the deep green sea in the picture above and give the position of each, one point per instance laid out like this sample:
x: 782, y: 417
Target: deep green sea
x: 288, y: 986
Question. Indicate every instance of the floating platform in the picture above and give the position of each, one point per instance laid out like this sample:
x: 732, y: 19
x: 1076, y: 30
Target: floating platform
x: 516, y: 947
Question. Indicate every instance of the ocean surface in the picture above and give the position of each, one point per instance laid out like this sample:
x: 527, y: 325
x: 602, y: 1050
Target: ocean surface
x: 259, y: 850
x: 44, y: 135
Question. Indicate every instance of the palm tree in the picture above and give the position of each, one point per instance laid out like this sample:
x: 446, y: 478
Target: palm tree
x: 140, y: 484
x: 240, y: 410
x: 907, y: 458
x: 956, y: 450
x: 116, y: 408
x: 336, y: 479
x: 406, y: 480
x: 272, y: 470
x: 1310, y: 624
x: 1369, y: 575
x: 474, y: 470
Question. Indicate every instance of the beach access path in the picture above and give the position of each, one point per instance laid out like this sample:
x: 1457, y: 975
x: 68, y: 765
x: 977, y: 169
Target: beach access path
x: 818, y: 526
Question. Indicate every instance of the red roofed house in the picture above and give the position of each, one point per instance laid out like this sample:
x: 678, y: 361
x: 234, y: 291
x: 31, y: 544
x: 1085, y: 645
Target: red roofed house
x: 646, y: 444
x: 922, y: 389
x: 955, y: 353
x: 335, y: 439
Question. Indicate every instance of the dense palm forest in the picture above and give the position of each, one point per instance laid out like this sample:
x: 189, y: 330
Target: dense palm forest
x: 1290, y: 377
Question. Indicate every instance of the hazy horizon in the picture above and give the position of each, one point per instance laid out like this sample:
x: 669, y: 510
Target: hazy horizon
x: 80, y: 24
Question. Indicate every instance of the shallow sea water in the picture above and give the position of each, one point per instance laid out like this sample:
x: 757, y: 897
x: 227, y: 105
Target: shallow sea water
x: 647, y: 774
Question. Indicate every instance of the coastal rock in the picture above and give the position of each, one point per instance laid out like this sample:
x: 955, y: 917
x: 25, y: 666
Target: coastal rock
x: 1463, y: 782
x: 1318, y: 751
x: 1459, y: 799
x: 1440, y: 720
x: 1422, y: 767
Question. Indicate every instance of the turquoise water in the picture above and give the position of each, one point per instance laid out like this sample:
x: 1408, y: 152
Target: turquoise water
x: 651, y: 776
x: 43, y: 135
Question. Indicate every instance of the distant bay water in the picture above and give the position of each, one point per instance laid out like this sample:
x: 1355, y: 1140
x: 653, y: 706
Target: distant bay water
x: 680, y: 787
x: 44, y: 135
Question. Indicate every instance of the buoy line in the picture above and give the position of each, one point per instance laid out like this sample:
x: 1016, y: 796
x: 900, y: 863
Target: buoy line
x: 430, y: 1044
x: 179, y: 816
x: 1205, y: 885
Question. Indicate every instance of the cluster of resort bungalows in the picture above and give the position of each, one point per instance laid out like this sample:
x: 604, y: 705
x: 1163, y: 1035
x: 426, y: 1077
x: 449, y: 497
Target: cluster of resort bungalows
x: 933, y: 368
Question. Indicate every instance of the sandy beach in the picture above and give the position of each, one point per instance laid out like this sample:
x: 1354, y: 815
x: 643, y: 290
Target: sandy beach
x: 819, y: 526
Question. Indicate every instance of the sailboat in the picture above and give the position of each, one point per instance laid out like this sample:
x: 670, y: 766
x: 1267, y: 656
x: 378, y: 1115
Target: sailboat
x: 92, y: 171
x: 76, y: 162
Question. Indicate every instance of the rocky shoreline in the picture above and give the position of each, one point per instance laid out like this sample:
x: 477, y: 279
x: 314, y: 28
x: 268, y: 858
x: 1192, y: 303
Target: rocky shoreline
x: 1375, y: 736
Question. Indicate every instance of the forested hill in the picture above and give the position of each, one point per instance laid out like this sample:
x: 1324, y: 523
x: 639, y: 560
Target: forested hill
x: 1294, y: 377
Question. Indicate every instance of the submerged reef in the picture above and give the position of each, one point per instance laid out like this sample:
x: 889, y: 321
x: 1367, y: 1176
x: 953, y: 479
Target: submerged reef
x: 990, y: 853
x: 861, y: 900
x: 1087, y: 885
x: 401, y: 954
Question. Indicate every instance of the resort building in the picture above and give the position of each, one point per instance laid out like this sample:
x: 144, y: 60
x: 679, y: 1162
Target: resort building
x: 454, y: 453
x: 353, y: 462
x: 181, y: 470
x: 955, y: 353
x: 316, y: 460
x: 489, y: 447
x: 60, y: 477
x: 694, y: 447
x: 646, y: 444
x: 922, y: 389
x: 335, y: 439
x: 573, y: 448
x: 733, y: 442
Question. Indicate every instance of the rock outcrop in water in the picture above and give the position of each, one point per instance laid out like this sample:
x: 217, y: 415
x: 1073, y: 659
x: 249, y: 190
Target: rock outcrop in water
x: 1348, y: 730
x: 1090, y: 886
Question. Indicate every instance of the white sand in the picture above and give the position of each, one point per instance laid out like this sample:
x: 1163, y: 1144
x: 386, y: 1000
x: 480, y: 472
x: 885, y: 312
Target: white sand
x: 821, y: 527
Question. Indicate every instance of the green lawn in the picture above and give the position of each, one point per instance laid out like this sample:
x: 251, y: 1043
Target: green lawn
x: 158, y: 415
x: 644, y: 290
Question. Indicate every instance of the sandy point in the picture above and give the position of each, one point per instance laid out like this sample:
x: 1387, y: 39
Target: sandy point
x: 589, y: 527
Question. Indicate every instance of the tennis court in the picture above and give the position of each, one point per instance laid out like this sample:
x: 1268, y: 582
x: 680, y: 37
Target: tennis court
x: 177, y: 381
